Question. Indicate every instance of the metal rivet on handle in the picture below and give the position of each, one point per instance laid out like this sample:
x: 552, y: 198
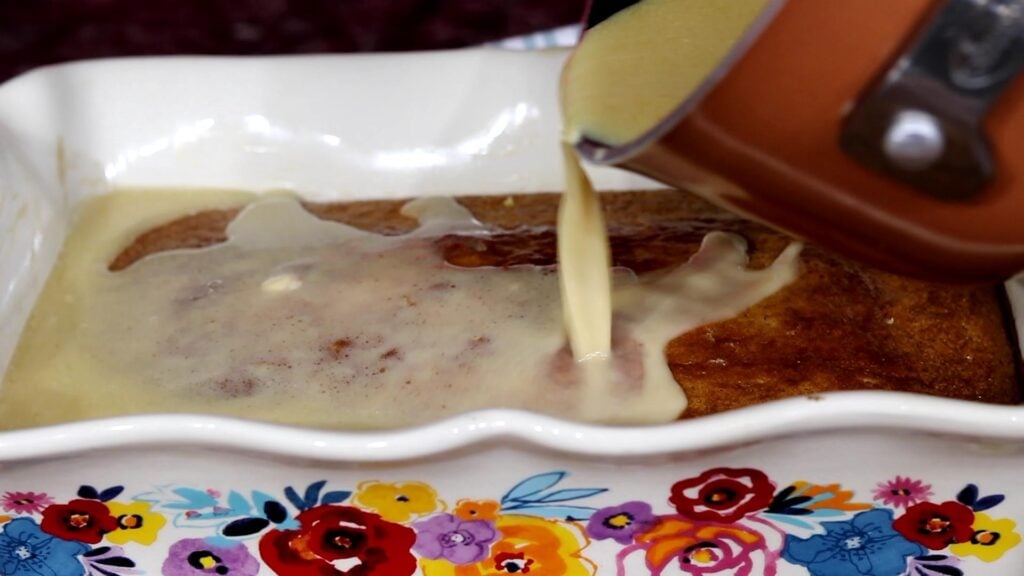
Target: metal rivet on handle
x: 914, y: 140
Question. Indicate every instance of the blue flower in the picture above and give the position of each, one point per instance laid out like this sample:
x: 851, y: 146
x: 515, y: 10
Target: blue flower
x: 25, y: 550
x: 865, y: 545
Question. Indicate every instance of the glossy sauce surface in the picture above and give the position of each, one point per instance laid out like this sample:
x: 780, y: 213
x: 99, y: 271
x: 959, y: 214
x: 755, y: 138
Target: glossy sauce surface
x: 299, y: 320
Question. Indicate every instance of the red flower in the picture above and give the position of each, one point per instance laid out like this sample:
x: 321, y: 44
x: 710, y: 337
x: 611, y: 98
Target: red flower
x: 82, y: 520
x: 936, y: 525
x: 340, y: 540
x: 513, y: 563
x: 722, y: 494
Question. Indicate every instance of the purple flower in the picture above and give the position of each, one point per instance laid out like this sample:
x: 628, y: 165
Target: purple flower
x: 454, y: 539
x: 621, y: 523
x: 208, y: 557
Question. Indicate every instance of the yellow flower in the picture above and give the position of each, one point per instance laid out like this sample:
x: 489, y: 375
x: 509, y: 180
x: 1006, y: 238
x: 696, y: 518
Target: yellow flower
x: 528, y: 545
x: 135, y: 523
x: 991, y: 539
x: 398, y: 502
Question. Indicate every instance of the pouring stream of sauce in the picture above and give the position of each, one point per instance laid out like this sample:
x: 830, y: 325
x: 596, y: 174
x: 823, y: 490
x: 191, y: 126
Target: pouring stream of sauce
x: 303, y: 321
x: 626, y: 76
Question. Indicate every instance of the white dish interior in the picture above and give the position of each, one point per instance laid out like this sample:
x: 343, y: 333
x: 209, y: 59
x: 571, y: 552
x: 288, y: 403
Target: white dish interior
x: 378, y: 126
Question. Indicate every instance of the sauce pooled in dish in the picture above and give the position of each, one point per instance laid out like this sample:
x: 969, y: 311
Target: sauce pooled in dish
x: 300, y: 320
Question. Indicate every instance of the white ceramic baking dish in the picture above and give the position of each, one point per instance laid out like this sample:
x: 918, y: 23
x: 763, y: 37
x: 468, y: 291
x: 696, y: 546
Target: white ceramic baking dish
x: 854, y: 483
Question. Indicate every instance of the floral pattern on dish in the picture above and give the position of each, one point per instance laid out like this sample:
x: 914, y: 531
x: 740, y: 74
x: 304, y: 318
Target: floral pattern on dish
x: 722, y: 521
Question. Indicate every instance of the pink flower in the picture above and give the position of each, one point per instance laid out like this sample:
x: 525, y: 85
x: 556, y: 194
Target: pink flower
x: 902, y: 492
x: 26, y: 502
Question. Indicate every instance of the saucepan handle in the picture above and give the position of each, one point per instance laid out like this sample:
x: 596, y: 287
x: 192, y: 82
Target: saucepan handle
x: 894, y: 135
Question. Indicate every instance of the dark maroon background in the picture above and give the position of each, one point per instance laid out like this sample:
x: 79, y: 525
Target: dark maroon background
x: 36, y: 32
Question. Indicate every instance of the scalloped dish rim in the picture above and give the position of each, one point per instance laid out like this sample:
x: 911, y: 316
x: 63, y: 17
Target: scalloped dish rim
x: 820, y: 413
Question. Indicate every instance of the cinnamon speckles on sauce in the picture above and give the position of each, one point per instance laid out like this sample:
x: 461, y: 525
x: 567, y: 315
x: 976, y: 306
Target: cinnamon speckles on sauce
x: 336, y: 349
x: 294, y: 319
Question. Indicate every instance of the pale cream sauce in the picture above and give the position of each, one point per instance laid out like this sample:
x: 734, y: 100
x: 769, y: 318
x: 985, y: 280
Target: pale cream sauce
x: 304, y: 321
x: 632, y: 70
x: 627, y: 75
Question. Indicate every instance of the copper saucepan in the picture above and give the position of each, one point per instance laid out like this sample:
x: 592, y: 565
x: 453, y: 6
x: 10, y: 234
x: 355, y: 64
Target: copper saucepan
x: 892, y: 132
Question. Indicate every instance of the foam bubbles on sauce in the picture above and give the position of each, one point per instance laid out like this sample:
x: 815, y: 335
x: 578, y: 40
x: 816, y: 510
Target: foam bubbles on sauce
x: 304, y: 321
